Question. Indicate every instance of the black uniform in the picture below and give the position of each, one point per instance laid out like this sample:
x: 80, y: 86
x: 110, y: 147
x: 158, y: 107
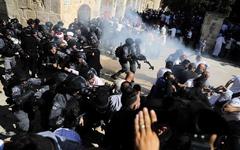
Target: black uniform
x: 25, y: 96
x: 128, y: 52
x: 93, y: 60
x: 30, y: 47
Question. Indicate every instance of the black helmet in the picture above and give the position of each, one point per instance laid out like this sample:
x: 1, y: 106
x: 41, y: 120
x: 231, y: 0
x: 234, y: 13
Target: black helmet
x: 50, y: 45
x: 37, y: 21
x: 28, y: 31
x: 30, y: 21
x: 129, y: 41
x: 90, y: 75
x: 57, y: 29
x: 14, y: 20
x: 100, y: 101
x: 53, y: 44
x: 60, y: 23
x: 49, y: 24
x: 64, y: 30
x: 91, y: 72
x: 77, y: 83
x: 81, y: 54
x: 21, y: 75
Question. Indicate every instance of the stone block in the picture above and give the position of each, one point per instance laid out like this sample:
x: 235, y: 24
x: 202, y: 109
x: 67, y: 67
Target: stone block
x: 30, y: 14
x: 43, y: 16
x: 10, y: 2
x: 23, y: 3
x: 55, y: 6
x: 47, y: 4
x: 12, y: 11
x: 54, y: 17
x: 20, y: 13
x: 210, y: 28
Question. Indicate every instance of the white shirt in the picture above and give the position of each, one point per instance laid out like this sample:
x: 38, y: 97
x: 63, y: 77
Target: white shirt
x: 235, y: 88
x: 233, y: 116
x: 162, y: 71
x: 167, y: 19
x: 97, y: 81
x: 115, y: 103
x: 226, y: 96
x: 189, y: 34
x: 163, y: 30
x: 189, y: 83
x: 220, y: 40
x: 173, y: 32
x: 1, y: 144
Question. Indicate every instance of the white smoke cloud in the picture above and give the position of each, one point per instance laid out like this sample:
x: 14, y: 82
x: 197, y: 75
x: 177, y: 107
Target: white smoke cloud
x: 117, y: 31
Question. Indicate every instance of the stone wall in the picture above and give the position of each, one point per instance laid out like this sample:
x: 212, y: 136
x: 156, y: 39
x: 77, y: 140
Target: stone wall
x: 68, y: 10
x: 45, y: 10
x: 103, y: 8
x: 210, y: 29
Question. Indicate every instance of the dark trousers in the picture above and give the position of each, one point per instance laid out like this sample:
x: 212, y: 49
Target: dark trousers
x: 233, y: 139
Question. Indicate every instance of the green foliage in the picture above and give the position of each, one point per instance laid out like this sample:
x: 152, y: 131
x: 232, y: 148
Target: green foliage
x: 180, y: 4
x: 220, y: 6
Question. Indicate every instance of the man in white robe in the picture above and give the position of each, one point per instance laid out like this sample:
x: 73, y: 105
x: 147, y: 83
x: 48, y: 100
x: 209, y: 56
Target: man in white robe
x: 164, y: 35
x: 173, y: 32
x: 218, y: 46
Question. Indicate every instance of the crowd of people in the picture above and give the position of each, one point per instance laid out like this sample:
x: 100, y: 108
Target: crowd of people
x: 186, y: 26
x: 227, y: 43
x: 52, y: 80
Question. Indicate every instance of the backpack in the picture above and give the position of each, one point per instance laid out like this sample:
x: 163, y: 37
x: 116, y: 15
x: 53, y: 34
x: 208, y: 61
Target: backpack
x: 119, y: 51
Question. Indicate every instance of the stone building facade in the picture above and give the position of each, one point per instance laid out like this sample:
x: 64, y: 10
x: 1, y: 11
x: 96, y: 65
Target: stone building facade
x: 68, y: 10
x: 45, y: 10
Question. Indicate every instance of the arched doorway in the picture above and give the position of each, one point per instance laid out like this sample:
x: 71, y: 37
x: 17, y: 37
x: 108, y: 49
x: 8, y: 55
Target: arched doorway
x: 84, y: 13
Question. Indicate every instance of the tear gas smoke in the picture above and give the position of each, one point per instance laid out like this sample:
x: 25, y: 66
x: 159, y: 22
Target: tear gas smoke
x: 115, y: 32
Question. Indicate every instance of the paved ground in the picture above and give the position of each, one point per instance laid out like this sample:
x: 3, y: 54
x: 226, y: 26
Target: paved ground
x: 220, y: 73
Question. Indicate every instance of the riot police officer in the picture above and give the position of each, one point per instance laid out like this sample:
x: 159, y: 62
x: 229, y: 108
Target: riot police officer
x: 30, y: 47
x: 24, y: 97
x: 126, y: 58
x: 9, y: 49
